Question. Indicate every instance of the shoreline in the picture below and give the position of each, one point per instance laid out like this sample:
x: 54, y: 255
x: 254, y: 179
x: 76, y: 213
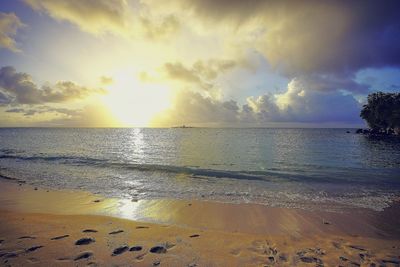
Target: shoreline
x: 229, y: 234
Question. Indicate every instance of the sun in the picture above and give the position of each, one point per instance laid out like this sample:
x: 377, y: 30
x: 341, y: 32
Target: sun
x: 135, y: 103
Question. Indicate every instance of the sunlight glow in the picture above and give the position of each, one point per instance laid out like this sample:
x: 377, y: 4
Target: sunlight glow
x: 135, y: 103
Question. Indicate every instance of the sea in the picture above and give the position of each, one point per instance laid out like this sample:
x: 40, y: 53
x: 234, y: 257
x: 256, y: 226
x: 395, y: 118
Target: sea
x: 314, y: 169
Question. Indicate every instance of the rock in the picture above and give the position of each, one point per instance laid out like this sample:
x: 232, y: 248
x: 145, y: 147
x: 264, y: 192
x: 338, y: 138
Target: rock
x: 156, y: 263
x: 347, y: 131
x: 84, y: 255
x: 120, y: 250
x: 135, y: 248
x: 142, y: 227
x: 158, y: 249
x: 195, y: 235
x: 84, y: 241
x: 359, y: 131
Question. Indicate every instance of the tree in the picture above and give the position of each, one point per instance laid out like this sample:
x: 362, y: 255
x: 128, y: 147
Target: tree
x: 382, y: 112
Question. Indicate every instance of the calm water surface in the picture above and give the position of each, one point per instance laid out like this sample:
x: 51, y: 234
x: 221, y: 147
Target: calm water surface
x: 304, y: 168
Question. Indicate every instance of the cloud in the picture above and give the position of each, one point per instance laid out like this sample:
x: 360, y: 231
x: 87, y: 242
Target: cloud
x: 23, y: 90
x: 309, y: 36
x: 192, y: 108
x: 94, y: 16
x: 201, y: 73
x: 43, y: 109
x: 9, y: 25
x: 109, y: 16
x: 4, y: 99
x: 297, y: 105
x: 105, y: 80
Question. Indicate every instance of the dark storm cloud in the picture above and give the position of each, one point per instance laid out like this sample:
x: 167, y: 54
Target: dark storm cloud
x: 24, y: 91
x: 300, y: 38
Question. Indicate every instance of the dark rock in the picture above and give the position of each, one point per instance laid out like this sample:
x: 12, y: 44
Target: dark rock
x: 195, y: 235
x: 120, y: 250
x: 359, y: 131
x: 84, y: 255
x: 59, y: 237
x: 89, y: 231
x: 116, y: 232
x: 156, y: 263
x: 347, y: 131
x: 343, y: 258
x: 136, y: 248
x: 31, y: 249
x: 158, y: 249
x: 97, y: 201
x: 271, y: 259
x: 36, y: 188
x: 84, y: 241
x: 142, y: 227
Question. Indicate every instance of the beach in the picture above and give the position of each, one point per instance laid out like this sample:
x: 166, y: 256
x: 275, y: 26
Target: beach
x: 45, y: 227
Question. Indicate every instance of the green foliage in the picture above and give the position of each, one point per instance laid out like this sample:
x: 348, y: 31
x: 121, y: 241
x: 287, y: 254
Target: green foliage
x: 382, y: 112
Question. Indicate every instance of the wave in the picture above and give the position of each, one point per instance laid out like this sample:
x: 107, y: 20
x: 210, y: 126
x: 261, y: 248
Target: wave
x: 314, y: 174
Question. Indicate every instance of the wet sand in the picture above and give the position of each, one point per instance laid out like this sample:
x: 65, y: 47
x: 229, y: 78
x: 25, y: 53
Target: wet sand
x: 65, y: 228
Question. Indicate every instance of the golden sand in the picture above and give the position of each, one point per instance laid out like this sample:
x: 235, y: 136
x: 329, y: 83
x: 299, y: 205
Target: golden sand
x: 41, y: 228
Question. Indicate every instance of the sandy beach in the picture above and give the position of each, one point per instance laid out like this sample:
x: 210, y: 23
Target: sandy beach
x: 41, y: 227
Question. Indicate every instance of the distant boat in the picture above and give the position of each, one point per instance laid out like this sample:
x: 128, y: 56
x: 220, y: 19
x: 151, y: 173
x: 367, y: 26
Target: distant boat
x: 183, y: 126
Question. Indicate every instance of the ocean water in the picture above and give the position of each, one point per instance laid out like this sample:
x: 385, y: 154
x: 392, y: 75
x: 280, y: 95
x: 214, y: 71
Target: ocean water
x: 326, y: 169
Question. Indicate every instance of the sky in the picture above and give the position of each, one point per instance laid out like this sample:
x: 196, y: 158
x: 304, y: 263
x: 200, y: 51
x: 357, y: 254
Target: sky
x: 210, y: 63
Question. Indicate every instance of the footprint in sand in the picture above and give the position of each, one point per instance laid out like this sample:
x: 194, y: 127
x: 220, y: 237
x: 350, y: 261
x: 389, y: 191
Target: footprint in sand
x: 136, y: 248
x: 195, y: 235
x: 116, y: 232
x: 120, y: 250
x: 33, y: 260
x: 89, y: 231
x: 84, y: 255
x: 84, y: 241
x: 235, y: 252
x: 31, y: 249
x: 158, y: 249
x: 27, y: 237
x: 59, y: 237
x: 64, y: 259
x: 141, y: 256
